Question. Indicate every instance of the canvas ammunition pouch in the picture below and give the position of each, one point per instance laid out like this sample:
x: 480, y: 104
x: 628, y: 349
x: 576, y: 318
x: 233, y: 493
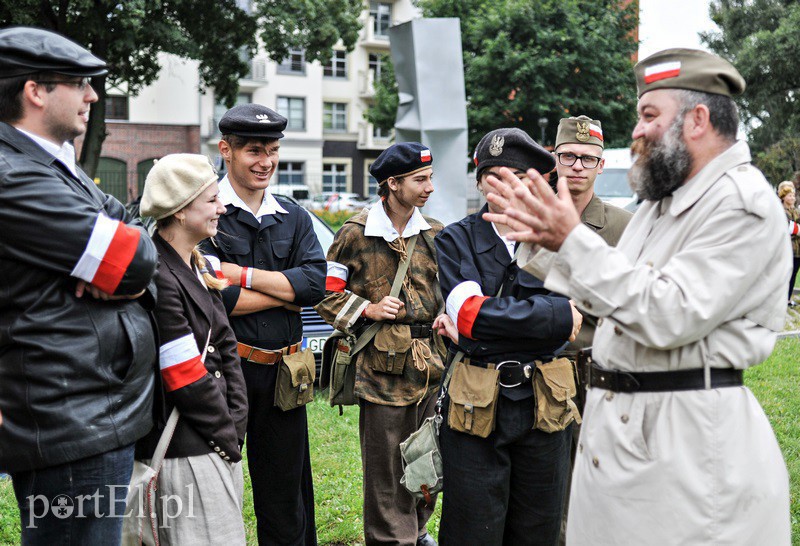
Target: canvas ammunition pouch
x: 294, y: 386
x: 391, y: 349
x: 554, y: 389
x: 338, y: 373
x: 473, y: 394
x: 422, y: 461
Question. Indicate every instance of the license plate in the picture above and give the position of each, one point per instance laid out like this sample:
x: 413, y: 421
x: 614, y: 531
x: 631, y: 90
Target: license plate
x: 314, y: 343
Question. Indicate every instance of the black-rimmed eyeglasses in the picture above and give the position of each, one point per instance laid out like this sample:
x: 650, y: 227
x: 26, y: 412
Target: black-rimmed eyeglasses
x: 81, y: 84
x: 568, y: 159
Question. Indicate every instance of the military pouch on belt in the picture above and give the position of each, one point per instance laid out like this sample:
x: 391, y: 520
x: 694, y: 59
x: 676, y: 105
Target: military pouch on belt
x: 338, y: 372
x: 473, y: 399
x: 422, y: 461
x: 294, y: 386
x: 390, y: 349
x: 554, y: 389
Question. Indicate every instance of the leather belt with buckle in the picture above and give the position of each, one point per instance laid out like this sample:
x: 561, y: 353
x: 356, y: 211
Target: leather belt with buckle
x: 513, y: 373
x: 420, y: 330
x: 679, y: 380
x: 264, y: 356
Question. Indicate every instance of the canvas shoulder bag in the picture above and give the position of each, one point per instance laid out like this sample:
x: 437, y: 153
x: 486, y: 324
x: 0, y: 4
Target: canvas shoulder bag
x: 140, y: 525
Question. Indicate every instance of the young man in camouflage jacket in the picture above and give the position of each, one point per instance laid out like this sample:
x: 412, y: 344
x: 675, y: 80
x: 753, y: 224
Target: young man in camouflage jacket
x: 398, y: 373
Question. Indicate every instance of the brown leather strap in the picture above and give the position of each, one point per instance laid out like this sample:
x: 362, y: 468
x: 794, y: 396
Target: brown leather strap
x: 263, y: 356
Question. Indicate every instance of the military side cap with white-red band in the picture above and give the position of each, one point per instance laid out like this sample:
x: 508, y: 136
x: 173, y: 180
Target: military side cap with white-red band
x: 690, y: 69
x: 579, y: 130
x: 401, y: 159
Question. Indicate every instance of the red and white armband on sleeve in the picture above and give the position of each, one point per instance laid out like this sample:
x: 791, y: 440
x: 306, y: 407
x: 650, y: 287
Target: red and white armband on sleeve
x: 108, y: 253
x: 463, y: 305
x: 336, y: 280
x: 180, y: 363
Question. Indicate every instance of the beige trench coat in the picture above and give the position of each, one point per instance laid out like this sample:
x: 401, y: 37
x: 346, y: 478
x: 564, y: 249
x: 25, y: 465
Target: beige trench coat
x: 697, y: 280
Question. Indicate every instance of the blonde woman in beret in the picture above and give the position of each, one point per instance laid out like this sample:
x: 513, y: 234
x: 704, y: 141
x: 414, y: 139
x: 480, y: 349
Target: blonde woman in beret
x: 787, y: 197
x: 200, y: 371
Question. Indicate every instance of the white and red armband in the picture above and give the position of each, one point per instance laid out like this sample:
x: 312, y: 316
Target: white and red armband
x: 463, y: 305
x: 110, y: 250
x: 216, y: 264
x: 180, y: 363
x: 336, y: 280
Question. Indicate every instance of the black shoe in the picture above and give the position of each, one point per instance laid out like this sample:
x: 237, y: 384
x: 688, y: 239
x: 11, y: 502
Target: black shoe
x: 792, y: 304
x: 426, y: 540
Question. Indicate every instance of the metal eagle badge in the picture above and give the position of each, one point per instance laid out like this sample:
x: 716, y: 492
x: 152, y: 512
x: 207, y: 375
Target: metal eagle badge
x: 496, y: 146
x: 583, y: 131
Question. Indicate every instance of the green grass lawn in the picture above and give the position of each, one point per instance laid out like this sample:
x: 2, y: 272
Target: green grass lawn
x: 337, y: 464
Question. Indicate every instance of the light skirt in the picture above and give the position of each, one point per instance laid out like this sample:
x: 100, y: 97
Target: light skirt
x: 199, y: 501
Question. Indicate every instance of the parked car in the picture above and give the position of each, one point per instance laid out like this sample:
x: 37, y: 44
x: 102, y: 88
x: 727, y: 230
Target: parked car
x: 612, y: 185
x: 336, y: 201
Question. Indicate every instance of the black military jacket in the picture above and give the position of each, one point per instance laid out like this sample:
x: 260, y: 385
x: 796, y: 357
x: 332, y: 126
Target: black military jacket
x: 527, y: 322
x: 280, y: 242
x: 76, y: 374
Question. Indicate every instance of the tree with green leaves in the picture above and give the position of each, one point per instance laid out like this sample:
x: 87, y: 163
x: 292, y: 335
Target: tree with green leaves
x: 762, y: 39
x: 219, y: 34
x: 548, y: 59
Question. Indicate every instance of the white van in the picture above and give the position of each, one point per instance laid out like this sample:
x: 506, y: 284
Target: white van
x: 612, y: 185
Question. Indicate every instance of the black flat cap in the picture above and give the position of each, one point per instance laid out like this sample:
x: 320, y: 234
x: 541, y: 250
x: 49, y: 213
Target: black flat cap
x: 26, y: 50
x: 252, y: 120
x: 511, y: 148
x: 401, y: 159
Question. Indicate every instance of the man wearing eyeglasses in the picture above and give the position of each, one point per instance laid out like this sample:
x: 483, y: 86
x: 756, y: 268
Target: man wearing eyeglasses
x: 579, y: 154
x: 77, y: 348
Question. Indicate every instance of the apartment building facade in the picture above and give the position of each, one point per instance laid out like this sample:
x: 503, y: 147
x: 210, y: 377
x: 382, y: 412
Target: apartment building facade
x: 328, y: 145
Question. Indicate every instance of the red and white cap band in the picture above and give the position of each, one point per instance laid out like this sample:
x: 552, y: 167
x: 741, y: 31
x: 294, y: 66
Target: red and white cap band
x: 662, y: 71
x: 596, y: 131
x: 336, y: 280
x: 180, y: 362
x: 425, y: 156
x: 110, y: 250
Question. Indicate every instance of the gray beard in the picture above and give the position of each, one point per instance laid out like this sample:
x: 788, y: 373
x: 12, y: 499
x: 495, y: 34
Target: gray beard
x: 663, y: 166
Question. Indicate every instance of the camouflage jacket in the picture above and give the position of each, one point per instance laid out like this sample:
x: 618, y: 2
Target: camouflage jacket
x: 371, y: 264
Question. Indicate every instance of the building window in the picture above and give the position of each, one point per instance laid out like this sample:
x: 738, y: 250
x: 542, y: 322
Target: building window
x: 294, y: 110
x: 294, y: 63
x: 334, y: 116
x: 117, y: 107
x: 338, y: 65
x: 379, y: 134
x: 291, y: 172
x: 376, y: 62
x: 372, y: 182
x: 381, y: 13
x: 334, y: 177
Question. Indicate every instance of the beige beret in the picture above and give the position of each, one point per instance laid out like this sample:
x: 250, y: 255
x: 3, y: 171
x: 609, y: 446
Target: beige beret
x: 785, y: 188
x: 579, y: 130
x: 690, y: 69
x: 174, y: 182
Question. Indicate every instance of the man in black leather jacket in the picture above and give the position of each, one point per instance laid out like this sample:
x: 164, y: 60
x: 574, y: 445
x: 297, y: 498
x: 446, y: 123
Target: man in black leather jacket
x: 77, y: 346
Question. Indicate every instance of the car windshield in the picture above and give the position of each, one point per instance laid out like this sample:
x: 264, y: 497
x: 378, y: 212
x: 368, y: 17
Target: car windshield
x: 322, y: 231
x: 613, y: 183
